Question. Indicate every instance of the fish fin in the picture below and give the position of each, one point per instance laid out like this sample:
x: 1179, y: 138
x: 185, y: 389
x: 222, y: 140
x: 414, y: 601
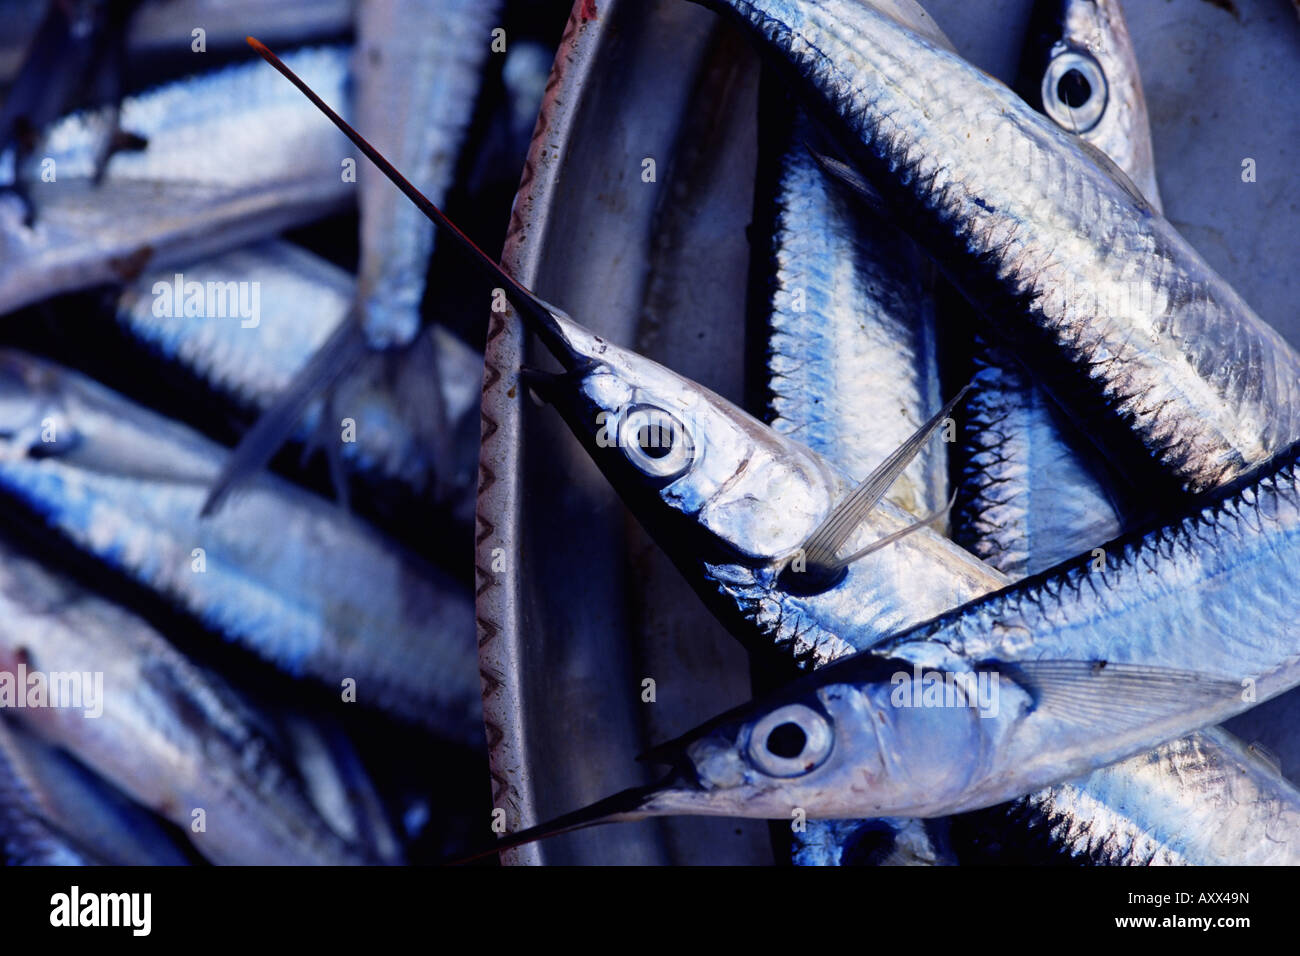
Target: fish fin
x: 852, y: 180
x: 1111, y: 695
x: 928, y: 521
x: 323, y: 439
x: 339, y: 354
x: 1265, y: 756
x: 1111, y: 169
x: 820, y: 548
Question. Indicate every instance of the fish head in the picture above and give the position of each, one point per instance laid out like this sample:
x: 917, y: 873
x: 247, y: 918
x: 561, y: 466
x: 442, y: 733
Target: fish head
x: 700, y: 473
x: 1079, y: 68
x: 857, y: 739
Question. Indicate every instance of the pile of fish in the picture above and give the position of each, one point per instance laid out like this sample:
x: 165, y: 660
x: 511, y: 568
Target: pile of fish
x: 203, y: 658
x: 1006, y: 524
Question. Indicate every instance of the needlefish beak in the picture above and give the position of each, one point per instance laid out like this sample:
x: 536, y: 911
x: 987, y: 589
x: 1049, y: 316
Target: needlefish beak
x: 676, y: 794
x: 563, y: 337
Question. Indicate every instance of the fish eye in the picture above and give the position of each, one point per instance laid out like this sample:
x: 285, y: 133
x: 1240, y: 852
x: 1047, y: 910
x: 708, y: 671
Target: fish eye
x: 656, y: 442
x: 790, y: 741
x: 1074, y: 91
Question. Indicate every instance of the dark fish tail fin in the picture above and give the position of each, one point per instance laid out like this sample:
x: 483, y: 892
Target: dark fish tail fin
x: 333, y: 360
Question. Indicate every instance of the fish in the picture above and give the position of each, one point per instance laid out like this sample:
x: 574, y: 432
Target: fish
x: 283, y: 573
x: 1206, y: 799
x: 851, y: 367
x: 54, y: 812
x: 1155, y: 356
x: 737, y: 506
x: 210, y: 179
x: 1032, y: 494
x: 171, y: 736
x: 418, y: 69
x: 1060, y: 674
x: 1032, y: 497
x: 851, y: 370
x: 301, y: 300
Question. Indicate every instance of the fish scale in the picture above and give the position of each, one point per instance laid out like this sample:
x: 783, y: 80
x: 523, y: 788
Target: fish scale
x: 852, y: 372
x: 1038, y: 242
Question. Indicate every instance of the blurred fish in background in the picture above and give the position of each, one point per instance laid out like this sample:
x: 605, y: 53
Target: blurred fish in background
x: 182, y: 237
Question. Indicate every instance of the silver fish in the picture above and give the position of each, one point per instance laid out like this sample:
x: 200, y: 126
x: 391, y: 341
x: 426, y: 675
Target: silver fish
x: 851, y: 371
x: 1129, y: 327
x: 302, y: 300
x: 210, y: 179
x: 1032, y: 502
x: 733, y: 502
x: 1202, y: 800
x: 1030, y: 495
x: 851, y: 365
x: 284, y: 573
x: 418, y: 69
x: 169, y: 735
x: 418, y: 73
x: 1032, y: 685
x: 55, y: 813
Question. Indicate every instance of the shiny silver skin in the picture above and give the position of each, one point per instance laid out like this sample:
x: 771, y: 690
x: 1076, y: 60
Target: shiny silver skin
x: 1203, y: 800
x: 1031, y: 494
x: 170, y: 736
x: 233, y: 156
x: 851, y: 372
x: 293, y: 578
x: 1103, y: 299
x: 732, y: 502
x: 852, y: 369
x: 1091, y: 667
x: 418, y: 68
x: 55, y: 813
x: 303, y: 299
x: 1031, y: 491
x: 1031, y: 501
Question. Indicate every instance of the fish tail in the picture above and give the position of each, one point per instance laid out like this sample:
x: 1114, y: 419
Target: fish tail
x: 340, y: 353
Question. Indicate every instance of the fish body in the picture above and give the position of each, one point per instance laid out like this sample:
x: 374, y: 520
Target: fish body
x: 53, y: 812
x: 1130, y: 329
x: 233, y: 156
x: 1061, y: 674
x: 732, y: 502
x: 302, y: 300
x: 419, y: 64
x: 284, y: 573
x: 168, y: 734
x: 851, y: 364
x: 851, y: 370
x: 1202, y: 800
x: 1031, y: 496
